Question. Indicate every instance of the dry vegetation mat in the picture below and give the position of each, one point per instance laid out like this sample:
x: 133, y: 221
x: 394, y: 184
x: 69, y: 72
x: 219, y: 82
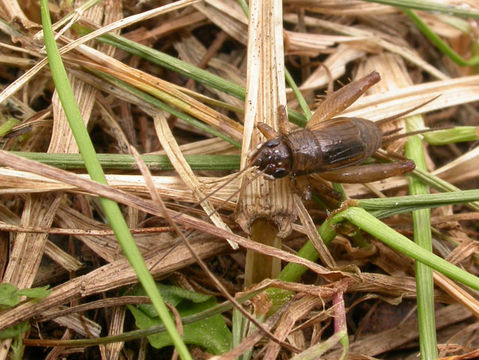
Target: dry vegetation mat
x: 239, y: 180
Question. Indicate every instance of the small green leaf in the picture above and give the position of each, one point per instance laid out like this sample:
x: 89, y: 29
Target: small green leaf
x: 8, y: 295
x: 35, y: 293
x: 453, y: 135
x: 172, y: 295
x: 14, y: 331
x: 210, y: 333
x: 8, y: 125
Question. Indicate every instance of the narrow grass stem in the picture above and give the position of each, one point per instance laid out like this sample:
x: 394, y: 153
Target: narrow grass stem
x: 193, y: 72
x: 365, y: 221
x: 126, y: 161
x: 297, y: 93
x: 382, y: 207
x: 369, y: 223
x: 437, y: 41
x: 433, y: 6
x: 422, y: 237
x: 111, y: 208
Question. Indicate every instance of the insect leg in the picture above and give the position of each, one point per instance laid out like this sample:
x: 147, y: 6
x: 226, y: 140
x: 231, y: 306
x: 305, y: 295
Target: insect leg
x: 317, y: 182
x: 283, y: 120
x: 339, y: 100
x: 268, y: 132
x: 369, y: 172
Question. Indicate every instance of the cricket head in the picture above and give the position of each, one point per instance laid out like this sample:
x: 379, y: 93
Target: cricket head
x: 273, y: 158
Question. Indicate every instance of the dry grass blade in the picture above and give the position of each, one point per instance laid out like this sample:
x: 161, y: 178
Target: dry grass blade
x: 265, y: 92
x: 127, y: 21
x: 193, y: 52
x: 336, y: 65
x: 14, y: 12
x: 263, y: 199
x: 387, y: 340
x: 41, y: 209
x: 184, y: 171
x: 457, y: 293
x: 295, y: 312
x: 256, y: 336
x: 452, y: 92
x: 161, y: 205
x: 462, y: 169
x: 299, y: 43
x: 227, y: 15
x: 27, y: 253
x: 112, y: 276
x: 17, y: 12
x: 134, y: 201
x: 65, y: 260
x: 181, y: 68
x: 18, y: 182
x: 117, y: 324
x: 162, y: 89
x: 313, y: 234
x: 373, y: 37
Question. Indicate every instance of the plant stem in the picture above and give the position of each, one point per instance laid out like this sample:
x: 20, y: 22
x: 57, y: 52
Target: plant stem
x: 422, y: 237
x: 111, y: 208
x: 126, y: 161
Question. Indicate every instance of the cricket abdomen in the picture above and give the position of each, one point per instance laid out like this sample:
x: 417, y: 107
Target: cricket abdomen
x: 332, y: 144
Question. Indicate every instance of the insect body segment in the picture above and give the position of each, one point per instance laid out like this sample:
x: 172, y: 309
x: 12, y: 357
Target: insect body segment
x: 330, y: 145
x: 334, y: 144
x: 274, y: 158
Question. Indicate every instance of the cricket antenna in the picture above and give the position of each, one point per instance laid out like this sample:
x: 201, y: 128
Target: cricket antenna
x: 229, y: 181
x: 404, y: 113
x: 237, y: 191
x: 236, y: 175
x: 223, y: 203
x: 388, y: 139
x: 248, y: 167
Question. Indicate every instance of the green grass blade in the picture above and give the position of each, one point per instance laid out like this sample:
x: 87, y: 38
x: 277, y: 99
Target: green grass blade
x: 127, y: 162
x: 367, y: 222
x: 430, y: 6
x: 111, y: 208
x: 441, y: 185
x: 188, y: 70
x: 174, y: 64
x: 451, y: 136
x: 383, y: 207
x: 436, y: 40
x: 170, y: 109
x: 380, y: 207
x: 423, y: 238
x: 297, y: 93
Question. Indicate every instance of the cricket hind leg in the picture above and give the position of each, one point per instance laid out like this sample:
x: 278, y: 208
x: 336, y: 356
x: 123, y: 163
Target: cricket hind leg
x: 370, y: 172
x: 341, y: 99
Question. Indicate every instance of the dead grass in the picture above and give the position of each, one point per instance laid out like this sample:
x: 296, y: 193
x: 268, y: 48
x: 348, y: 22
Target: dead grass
x: 53, y: 229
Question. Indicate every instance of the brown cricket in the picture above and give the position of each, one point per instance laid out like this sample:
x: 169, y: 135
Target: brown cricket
x: 331, y: 146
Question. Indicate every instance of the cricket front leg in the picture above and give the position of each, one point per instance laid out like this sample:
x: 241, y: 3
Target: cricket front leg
x: 268, y: 132
x: 369, y: 173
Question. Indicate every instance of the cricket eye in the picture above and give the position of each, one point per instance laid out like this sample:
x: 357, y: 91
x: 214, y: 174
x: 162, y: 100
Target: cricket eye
x: 272, y: 143
x: 279, y: 173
